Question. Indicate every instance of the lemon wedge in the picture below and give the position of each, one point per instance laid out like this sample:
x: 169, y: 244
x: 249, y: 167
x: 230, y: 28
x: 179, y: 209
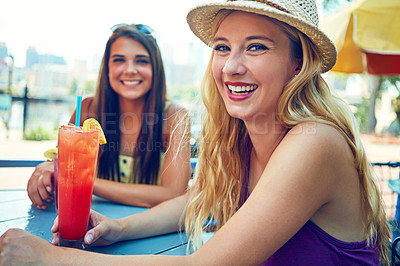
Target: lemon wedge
x: 50, y: 154
x: 92, y: 123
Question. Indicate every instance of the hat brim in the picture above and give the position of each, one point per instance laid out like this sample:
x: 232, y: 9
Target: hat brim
x: 201, y: 19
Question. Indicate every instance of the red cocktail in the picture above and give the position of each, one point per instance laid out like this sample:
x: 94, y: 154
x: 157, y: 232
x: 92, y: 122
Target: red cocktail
x: 77, y: 160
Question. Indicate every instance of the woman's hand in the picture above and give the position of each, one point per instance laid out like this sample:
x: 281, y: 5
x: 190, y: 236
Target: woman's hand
x: 18, y: 247
x: 104, y: 231
x: 40, y: 185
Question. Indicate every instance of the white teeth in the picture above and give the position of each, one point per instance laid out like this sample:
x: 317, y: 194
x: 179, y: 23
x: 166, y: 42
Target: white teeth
x: 242, y: 88
x: 130, y: 83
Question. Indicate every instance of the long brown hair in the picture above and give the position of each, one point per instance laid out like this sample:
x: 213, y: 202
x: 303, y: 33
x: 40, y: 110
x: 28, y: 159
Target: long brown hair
x: 149, y: 144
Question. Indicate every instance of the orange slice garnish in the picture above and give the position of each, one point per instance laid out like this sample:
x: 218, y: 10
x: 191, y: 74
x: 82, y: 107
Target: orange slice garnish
x: 90, y: 124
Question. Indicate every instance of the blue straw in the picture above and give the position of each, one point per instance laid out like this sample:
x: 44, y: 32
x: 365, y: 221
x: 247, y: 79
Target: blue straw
x: 78, y: 111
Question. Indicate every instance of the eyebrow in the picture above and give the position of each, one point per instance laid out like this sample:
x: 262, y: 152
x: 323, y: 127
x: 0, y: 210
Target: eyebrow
x: 260, y: 37
x: 137, y: 56
x: 256, y: 37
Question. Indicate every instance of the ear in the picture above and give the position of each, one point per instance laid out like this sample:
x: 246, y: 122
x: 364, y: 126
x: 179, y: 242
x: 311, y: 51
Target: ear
x: 298, y: 66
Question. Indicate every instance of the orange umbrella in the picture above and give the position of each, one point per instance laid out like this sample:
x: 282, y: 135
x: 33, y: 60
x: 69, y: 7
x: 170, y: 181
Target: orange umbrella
x: 366, y: 34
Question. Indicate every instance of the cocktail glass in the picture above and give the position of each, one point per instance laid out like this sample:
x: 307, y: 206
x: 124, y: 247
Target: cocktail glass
x: 77, y: 160
x: 55, y: 161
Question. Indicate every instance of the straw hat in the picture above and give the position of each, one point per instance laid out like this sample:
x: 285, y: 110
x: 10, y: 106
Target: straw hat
x: 301, y: 14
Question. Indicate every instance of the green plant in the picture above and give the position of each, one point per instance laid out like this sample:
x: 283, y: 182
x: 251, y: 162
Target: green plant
x: 40, y: 133
x: 362, y: 114
x: 183, y: 92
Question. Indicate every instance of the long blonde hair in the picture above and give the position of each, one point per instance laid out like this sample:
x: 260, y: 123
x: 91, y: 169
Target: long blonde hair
x: 217, y: 193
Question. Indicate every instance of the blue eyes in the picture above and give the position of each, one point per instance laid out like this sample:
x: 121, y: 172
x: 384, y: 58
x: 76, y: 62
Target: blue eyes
x: 221, y: 48
x: 252, y: 48
x: 138, y: 61
x: 257, y: 47
x: 143, y: 61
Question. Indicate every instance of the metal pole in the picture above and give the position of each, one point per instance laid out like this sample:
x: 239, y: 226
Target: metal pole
x: 10, y: 72
x: 25, y: 111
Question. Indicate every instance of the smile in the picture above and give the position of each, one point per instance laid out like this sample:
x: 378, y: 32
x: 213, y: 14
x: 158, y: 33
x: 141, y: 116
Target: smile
x: 130, y: 82
x: 242, y: 90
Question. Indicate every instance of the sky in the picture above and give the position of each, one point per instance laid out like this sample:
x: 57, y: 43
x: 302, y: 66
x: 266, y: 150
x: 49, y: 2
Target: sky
x: 79, y: 29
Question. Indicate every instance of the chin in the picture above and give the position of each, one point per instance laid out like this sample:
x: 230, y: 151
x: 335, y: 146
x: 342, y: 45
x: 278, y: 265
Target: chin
x: 238, y: 114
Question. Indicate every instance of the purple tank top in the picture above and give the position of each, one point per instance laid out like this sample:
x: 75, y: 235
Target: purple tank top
x: 313, y: 246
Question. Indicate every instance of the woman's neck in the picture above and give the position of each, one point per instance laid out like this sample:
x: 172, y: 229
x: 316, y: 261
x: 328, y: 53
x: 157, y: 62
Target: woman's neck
x: 131, y: 116
x: 265, y: 139
x: 264, y: 144
x: 131, y: 106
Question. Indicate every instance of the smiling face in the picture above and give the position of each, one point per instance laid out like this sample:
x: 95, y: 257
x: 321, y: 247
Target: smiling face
x: 130, y: 70
x: 251, y: 65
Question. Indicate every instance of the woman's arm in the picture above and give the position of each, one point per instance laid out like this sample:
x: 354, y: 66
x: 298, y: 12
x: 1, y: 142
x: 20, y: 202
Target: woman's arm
x: 164, y: 218
x: 310, y: 175
x: 175, y: 172
x: 19, y: 247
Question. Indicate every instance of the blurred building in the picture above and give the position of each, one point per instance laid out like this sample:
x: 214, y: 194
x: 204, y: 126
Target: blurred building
x: 33, y: 58
x: 79, y: 73
x: 197, y: 61
x: 45, y: 74
x: 3, y: 50
x: 4, y: 68
x: 45, y: 80
x: 185, y: 73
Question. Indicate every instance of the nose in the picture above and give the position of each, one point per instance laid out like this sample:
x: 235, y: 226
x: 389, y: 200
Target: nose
x: 130, y: 67
x: 234, y: 65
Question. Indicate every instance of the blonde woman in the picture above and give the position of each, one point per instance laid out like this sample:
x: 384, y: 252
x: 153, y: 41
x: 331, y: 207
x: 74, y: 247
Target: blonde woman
x: 281, y: 171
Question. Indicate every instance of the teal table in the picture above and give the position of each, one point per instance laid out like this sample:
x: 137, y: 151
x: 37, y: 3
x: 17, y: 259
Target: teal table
x: 16, y: 211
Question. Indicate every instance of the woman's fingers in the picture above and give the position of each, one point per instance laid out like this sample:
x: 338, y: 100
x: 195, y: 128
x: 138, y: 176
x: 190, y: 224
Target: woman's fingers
x: 54, y: 229
x: 56, y: 239
x: 34, y: 187
x: 101, y: 233
x: 40, y: 184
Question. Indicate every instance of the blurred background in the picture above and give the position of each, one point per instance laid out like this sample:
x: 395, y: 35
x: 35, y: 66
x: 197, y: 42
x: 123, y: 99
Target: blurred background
x: 50, y: 52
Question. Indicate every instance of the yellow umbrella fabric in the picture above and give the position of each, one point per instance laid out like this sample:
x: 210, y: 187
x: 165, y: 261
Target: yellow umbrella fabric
x: 371, y: 26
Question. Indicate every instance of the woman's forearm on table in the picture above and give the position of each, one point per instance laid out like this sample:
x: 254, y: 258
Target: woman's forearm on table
x: 71, y: 256
x: 140, y: 195
x: 164, y: 218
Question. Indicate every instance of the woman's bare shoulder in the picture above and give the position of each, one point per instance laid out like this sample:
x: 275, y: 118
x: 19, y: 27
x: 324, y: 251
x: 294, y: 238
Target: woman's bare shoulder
x: 176, y: 114
x: 315, y: 143
x: 317, y: 132
x: 175, y: 109
x: 176, y: 120
x: 87, y: 104
x: 88, y: 108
